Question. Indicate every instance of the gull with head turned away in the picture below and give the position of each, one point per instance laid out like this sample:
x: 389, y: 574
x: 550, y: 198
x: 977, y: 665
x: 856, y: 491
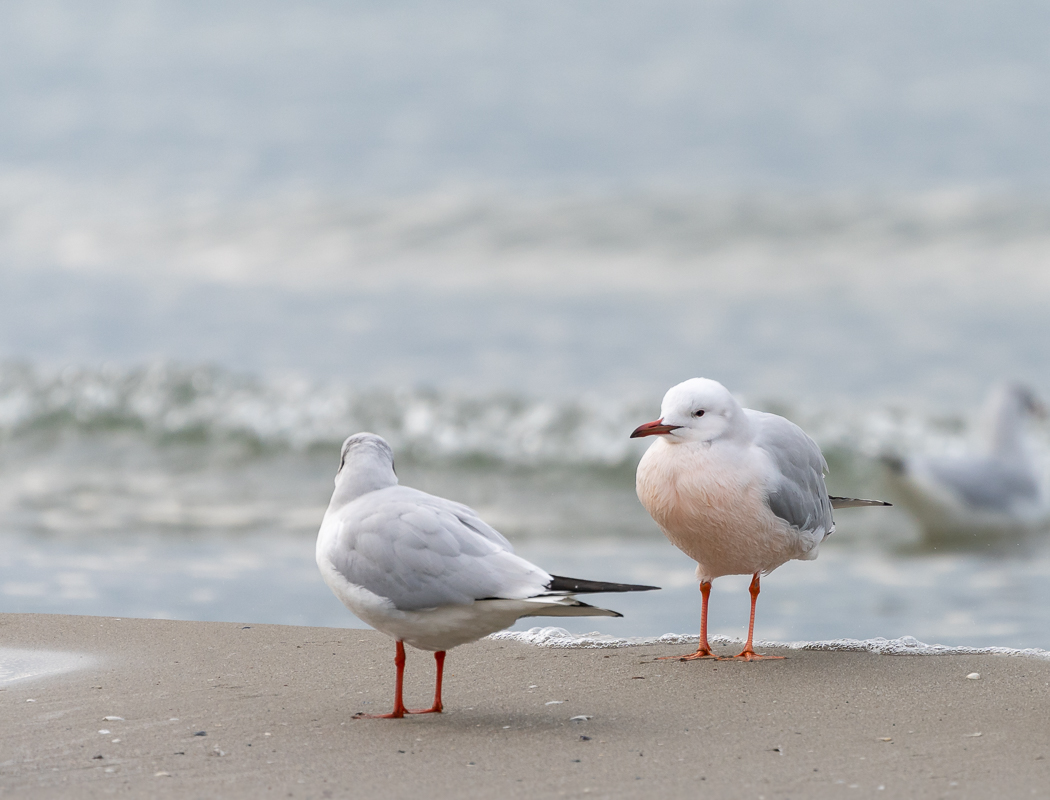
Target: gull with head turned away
x: 739, y: 491
x: 996, y: 490
x: 429, y: 571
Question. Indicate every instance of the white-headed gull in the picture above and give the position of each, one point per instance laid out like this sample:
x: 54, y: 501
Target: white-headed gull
x: 426, y: 570
x: 995, y: 490
x: 739, y: 491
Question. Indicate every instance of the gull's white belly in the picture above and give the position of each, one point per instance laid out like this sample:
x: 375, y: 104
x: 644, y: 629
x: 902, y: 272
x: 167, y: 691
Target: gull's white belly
x: 439, y: 628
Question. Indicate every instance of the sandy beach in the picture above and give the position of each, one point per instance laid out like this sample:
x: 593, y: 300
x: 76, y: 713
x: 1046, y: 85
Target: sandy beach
x: 232, y: 710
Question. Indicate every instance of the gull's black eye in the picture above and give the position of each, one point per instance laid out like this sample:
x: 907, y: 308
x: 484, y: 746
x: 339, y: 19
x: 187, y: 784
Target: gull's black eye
x: 699, y: 413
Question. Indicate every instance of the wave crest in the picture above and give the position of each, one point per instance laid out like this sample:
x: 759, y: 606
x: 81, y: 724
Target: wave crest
x: 169, y: 402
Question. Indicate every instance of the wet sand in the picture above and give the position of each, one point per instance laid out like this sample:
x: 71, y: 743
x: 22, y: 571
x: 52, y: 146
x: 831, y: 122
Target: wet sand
x: 230, y: 710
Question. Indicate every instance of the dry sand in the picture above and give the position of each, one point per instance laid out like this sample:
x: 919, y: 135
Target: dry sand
x: 229, y: 710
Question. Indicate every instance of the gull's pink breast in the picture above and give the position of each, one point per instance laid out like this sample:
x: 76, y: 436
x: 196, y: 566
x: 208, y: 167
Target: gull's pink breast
x: 712, y: 506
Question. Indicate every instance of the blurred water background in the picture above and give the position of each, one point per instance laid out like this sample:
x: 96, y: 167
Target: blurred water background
x: 231, y: 234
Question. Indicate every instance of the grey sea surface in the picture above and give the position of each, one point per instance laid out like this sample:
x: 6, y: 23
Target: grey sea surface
x: 394, y: 97
x: 852, y: 591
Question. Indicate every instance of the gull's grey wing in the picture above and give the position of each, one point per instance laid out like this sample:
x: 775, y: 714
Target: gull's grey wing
x: 469, y: 517
x: 796, y: 490
x: 984, y: 483
x: 422, y: 551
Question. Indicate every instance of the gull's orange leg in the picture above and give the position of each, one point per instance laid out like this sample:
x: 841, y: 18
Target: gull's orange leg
x: 703, y: 649
x: 399, y: 704
x: 439, y: 659
x: 748, y: 653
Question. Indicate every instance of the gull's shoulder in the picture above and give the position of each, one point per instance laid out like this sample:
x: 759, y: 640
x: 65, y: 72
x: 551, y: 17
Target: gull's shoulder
x: 400, y: 510
x: 784, y: 441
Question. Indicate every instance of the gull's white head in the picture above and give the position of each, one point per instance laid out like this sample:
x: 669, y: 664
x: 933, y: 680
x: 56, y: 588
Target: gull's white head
x: 1016, y: 400
x: 1004, y: 416
x: 697, y: 410
x: 366, y: 463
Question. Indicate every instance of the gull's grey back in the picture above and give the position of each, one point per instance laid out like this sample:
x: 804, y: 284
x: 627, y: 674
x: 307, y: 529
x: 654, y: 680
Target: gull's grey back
x: 987, y: 483
x: 422, y: 551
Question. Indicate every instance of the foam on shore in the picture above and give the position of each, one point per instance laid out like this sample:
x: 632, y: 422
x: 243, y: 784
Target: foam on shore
x: 21, y: 665
x: 904, y: 646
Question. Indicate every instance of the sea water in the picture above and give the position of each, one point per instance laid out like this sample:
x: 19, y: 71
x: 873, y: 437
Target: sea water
x: 196, y: 492
x: 168, y: 439
x: 496, y: 236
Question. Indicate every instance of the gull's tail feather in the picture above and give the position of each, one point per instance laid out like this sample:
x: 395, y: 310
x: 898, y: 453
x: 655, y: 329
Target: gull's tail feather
x: 853, y: 502
x: 567, y: 607
x: 579, y: 586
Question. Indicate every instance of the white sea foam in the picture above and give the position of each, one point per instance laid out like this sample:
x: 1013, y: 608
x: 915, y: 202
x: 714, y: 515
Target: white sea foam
x: 904, y: 646
x: 21, y: 665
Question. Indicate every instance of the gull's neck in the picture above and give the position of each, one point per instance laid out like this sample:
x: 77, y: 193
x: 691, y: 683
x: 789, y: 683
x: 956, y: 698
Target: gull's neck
x: 1006, y: 427
x: 367, y: 473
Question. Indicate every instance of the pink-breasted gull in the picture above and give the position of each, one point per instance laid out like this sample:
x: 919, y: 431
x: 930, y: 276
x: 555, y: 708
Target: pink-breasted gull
x: 739, y: 491
x: 429, y: 571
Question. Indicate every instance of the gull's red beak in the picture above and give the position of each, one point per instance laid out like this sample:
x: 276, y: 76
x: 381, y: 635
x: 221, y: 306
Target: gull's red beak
x: 653, y: 429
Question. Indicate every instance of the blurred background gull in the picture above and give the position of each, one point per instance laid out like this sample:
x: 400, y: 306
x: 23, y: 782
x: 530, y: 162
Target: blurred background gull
x: 233, y: 233
x: 974, y: 495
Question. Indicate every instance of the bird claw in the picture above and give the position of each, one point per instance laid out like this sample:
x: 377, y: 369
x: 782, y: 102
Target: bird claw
x: 397, y: 713
x: 391, y: 715
x: 432, y: 710
x: 751, y: 655
x: 697, y: 656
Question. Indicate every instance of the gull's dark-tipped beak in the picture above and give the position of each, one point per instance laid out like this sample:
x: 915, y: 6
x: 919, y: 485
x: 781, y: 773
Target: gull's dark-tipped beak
x: 653, y: 429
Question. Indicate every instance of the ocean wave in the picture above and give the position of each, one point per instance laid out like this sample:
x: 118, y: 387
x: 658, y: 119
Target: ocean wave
x: 167, y: 402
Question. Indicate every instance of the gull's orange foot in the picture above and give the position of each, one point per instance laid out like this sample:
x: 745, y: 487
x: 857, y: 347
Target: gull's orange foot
x: 699, y: 654
x: 434, y: 710
x: 751, y: 655
x: 391, y: 715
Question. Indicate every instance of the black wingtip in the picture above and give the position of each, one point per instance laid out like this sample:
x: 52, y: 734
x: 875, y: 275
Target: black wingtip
x: 579, y: 586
